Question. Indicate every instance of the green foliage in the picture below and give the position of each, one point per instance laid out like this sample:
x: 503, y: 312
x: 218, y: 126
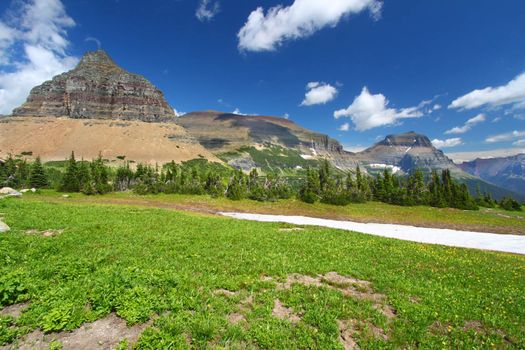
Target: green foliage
x: 13, y: 288
x: 70, y: 181
x: 510, y: 204
x: 38, y: 178
x: 55, y: 345
x: 237, y: 187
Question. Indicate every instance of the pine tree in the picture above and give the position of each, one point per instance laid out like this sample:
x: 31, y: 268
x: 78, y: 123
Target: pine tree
x: 237, y: 188
x: 70, y: 181
x: 310, y: 190
x: 38, y: 177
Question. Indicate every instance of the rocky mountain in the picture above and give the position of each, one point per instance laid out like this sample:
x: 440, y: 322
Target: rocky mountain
x: 506, y: 172
x: 98, y: 107
x: 405, y: 152
x: 262, y: 141
x: 97, y: 89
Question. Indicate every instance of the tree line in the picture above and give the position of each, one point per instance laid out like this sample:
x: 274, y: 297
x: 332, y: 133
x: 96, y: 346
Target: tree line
x: 198, y: 177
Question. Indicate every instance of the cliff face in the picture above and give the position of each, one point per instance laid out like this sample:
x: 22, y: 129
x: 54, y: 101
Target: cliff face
x: 97, y: 89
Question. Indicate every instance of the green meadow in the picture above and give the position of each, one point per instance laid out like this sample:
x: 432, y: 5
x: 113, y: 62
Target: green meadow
x: 214, y: 282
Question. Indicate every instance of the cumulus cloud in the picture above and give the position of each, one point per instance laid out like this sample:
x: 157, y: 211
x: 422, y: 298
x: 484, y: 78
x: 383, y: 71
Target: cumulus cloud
x: 513, y: 93
x: 266, y: 32
x: 436, y: 107
x: 469, y: 124
x: 207, y: 10
x: 509, y: 136
x: 370, y: 111
x: 318, y: 93
x: 34, y: 44
x: 344, y: 127
x: 447, y: 143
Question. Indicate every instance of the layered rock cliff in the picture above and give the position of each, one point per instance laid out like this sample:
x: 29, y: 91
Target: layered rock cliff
x: 97, y: 89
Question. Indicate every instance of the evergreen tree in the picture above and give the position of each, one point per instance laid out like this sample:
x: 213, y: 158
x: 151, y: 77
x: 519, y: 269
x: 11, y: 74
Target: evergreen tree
x: 70, y: 181
x: 237, y: 187
x: 309, y: 192
x: 38, y: 177
x: 214, y: 186
x: 123, y: 178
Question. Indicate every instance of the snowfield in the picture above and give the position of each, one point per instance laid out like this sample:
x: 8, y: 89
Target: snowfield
x: 452, y: 238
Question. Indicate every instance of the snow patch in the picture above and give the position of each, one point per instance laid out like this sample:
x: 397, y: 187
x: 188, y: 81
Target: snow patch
x: 395, y: 169
x: 453, y: 238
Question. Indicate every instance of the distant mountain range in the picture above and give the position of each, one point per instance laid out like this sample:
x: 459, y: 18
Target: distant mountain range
x: 100, y: 107
x: 506, y: 172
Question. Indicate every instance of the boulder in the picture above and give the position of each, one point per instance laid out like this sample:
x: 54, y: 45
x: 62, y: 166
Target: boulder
x: 3, y: 227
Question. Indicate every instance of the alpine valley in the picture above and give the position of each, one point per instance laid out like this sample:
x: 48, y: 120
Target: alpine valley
x: 99, y: 108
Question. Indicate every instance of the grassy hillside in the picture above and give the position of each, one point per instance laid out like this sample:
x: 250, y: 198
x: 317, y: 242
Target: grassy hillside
x: 216, y: 282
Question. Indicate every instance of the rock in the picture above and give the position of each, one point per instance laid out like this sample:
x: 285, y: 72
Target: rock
x: 97, y: 89
x: 25, y: 190
x: 3, y: 227
x: 10, y: 192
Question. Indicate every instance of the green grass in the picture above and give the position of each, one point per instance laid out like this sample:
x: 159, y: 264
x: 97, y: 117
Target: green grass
x: 485, y: 220
x: 138, y: 262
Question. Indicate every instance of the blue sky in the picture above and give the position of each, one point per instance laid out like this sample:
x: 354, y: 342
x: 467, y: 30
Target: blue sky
x: 381, y: 68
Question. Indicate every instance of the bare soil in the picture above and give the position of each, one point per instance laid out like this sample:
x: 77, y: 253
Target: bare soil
x: 103, y: 334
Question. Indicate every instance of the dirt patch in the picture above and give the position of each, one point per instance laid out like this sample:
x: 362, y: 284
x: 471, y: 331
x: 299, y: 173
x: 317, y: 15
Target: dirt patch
x: 346, y: 333
x: 45, y: 233
x: 235, y: 318
x: 475, y: 326
x: 224, y: 292
x: 349, y: 328
x: 102, y: 334
x: 284, y: 313
x: 14, y: 310
x: 265, y: 278
x: 350, y: 287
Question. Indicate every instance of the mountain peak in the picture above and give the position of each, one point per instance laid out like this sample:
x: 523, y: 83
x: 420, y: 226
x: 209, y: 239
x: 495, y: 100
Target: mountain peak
x: 97, y: 89
x: 97, y: 57
x: 408, y: 139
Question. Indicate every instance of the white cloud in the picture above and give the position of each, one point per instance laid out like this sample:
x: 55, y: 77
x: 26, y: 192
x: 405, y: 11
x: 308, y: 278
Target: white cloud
x: 39, y: 28
x: 286, y: 116
x: 266, y: 32
x: 513, y: 93
x: 469, y: 124
x: 370, y: 111
x: 437, y: 107
x: 459, y: 157
x: 318, y: 93
x: 177, y: 113
x: 520, y: 143
x: 496, y: 120
x: 238, y: 112
x: 344, y: 127
x: 447, y: 143
x: 509, y: 136
x: 207, y: 10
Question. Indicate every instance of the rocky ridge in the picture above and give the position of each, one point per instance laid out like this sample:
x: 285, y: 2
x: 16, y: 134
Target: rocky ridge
x: 97, y: 88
